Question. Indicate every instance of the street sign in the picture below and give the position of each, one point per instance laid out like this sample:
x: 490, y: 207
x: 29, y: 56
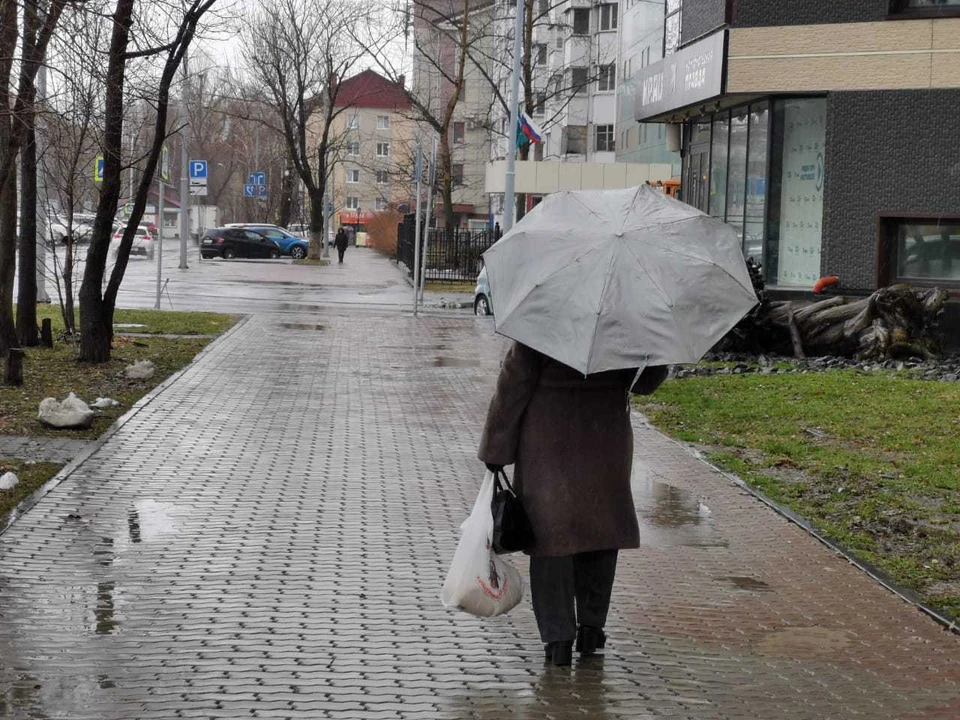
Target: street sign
x: 249, y: 190
x: 198, y: 169
x: 260, y: 178
x: 261, y: 190
x: 98, y: 169
x: 198, y: 191
x: 198, y: 182
x: 329, y: 208
x: 164, y: 164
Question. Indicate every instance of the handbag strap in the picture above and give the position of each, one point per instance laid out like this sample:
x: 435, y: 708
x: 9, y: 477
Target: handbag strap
x: 506, y: 482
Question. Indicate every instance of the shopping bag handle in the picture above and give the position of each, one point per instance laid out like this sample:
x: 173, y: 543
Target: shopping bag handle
x: 506, y: 481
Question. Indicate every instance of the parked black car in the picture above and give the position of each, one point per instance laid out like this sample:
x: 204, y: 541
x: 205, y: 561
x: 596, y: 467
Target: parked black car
x: 227, y: 243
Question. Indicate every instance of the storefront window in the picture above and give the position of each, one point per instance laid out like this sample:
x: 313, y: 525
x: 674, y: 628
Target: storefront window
x: 737, y: 169
x: 928, y: 250
x: 801, y: 191
x: 718, y: 165
x: 756, y: 183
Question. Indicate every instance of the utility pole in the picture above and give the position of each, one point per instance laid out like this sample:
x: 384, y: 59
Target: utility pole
x: 184, y: 171
x: 431, y: 180
x: 511, y: 176
x: 160, y: 237
x: 418, y: 168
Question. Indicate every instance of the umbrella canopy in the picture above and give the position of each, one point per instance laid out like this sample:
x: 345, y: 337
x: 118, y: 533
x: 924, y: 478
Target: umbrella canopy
x: 610, y: 279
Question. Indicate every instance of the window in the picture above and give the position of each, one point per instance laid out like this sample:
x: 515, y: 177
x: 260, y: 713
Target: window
x: 354, y: 122
x: 353, y: 148
x: 383, y: 149
x: 578, y: 79
x: 737, y: 169
x: 382, y: 204
x: 924, y: 249
x: 541, y: 53
x: 607, y: 16
x: 383, y: 177
x: 581, y: 21
x: 353, y: 202
x: 574, y: 140
x: 538, y: 151
x: 457, y: 172
x: 383, y: 122
x: 671, y: 26
x: 559, y: 43
x: 353, y: 176
x: 605, y: 139
x: 540, y: 107
x: 718, y: 165
x: 926, y: 7
x: 607, y: 77
x: 756, y: 198
x: 459, y: 132
x: 543, y: 7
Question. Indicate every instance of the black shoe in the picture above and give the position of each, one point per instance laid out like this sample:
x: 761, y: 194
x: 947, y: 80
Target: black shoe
x: 559, y: 653
x: 590, y: 639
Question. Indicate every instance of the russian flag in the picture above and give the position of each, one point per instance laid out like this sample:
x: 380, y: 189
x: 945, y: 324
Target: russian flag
x: 527, y: 131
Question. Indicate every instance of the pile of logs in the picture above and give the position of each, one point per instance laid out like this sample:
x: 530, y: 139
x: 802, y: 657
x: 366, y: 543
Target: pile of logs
x: 894, y: 322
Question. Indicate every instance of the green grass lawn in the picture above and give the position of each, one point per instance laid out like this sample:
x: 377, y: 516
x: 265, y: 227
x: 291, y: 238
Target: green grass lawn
x: 872, y: 460
x: 158, y: 322
x: 31, y: 476
x: 450, y: 288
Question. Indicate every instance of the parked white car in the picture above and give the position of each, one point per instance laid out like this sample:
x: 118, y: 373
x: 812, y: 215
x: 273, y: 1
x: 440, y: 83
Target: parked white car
x: 59, y: 229
x: 143, y: 242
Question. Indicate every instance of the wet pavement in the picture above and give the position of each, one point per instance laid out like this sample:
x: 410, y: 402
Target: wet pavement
x: 269, y: 535
x: 40, y: 449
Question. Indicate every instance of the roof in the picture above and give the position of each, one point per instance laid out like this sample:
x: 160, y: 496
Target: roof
x: 370, y: 89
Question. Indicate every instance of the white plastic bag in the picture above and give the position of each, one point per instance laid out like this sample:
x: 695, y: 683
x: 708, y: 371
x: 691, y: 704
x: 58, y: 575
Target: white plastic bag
x: 479, y: 581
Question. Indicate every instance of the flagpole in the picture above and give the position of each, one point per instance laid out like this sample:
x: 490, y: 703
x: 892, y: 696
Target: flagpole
x: 511, y: 177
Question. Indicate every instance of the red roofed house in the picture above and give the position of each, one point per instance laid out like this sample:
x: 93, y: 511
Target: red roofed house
x: 373, y: 169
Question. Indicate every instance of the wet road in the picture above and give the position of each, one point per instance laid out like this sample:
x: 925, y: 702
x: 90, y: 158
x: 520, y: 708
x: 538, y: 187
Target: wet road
x: 268, y: 536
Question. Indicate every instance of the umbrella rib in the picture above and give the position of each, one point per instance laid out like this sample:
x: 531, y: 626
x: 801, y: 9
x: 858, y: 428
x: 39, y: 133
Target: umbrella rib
x: 666, y: 297
x: 633, y: 202
x: 703, y: 260
x: 603, y: 292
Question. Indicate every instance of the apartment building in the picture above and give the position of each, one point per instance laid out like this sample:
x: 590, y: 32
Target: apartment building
x: 824, y: 132
x: 375, y: 133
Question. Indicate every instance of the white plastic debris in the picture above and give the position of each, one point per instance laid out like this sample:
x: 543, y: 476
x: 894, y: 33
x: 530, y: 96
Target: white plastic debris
x: 140, y: 370
x: 71, y: 413
x: 8, y: 481
x: 104, y: 403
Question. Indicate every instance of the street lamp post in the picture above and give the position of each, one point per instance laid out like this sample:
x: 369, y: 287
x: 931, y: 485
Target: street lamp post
x: 356, y: 227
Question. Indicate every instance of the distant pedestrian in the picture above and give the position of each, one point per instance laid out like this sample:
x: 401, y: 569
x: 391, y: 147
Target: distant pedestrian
x: 341, y: 243
x: 572, y: 442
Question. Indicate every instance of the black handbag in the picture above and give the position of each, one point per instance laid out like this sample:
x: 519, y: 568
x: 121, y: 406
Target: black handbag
x: 511, y: 526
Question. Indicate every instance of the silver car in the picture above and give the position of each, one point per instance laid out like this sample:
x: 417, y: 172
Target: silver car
x: 482, y: 302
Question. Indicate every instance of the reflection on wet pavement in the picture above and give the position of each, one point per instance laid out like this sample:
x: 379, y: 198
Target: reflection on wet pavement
x: 744, y: 583
x: 301, y: 326
x: 670, y: 516
x: 455, y: 362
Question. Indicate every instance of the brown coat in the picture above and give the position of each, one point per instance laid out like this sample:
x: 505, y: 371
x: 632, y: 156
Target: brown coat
x: 572, y: 442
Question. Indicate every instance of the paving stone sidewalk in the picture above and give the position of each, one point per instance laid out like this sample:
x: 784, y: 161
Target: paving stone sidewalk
x: 40, y: 449
x: 268, y: 538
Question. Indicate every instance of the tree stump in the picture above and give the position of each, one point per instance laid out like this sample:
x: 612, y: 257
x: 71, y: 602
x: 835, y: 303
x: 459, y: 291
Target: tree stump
x: 13, y: 367
x: 46, y: 333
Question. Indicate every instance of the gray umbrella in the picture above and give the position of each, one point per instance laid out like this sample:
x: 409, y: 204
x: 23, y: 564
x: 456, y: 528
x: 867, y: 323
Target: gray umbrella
x: 609, y: 279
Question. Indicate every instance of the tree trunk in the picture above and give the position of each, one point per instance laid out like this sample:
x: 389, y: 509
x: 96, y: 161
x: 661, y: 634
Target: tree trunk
x: 285, y: 208
x: 96, y: 326
x: 446, y: 187
x: 316, y: 223
x: 8, y: 231
x: 27, y: 264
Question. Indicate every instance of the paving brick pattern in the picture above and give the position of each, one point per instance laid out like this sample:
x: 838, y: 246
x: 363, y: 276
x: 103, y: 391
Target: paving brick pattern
x: 40, y: 449
x: 268, y: 538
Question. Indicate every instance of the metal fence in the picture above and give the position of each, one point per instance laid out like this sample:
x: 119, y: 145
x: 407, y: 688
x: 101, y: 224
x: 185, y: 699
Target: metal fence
x: 449, y: 257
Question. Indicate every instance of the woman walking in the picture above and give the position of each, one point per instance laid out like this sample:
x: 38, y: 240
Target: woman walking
x: 571, y: 440
x: 341, y: 243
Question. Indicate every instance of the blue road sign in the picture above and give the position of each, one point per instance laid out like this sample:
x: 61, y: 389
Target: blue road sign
x: 198, y: 168
x: 260, y: 178
x: 249, y: 190
x: 261, y: 190
x: 251, y: 178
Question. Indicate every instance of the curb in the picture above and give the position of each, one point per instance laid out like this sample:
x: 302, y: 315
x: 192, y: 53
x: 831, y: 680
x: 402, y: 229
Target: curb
x: 452, y: 305
x: 93, y: 446
x: 878, y: 575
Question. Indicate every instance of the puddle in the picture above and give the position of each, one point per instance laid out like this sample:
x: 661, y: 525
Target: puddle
x: 302, y: 326
x: 103, y: 552
x: 127, y: 326
x: 744, y: 583
x: 455, y: 362
x: 670, y: 517
x: 104, y: 610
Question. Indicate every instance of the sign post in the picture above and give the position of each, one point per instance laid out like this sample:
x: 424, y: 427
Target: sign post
x: 164, y: 176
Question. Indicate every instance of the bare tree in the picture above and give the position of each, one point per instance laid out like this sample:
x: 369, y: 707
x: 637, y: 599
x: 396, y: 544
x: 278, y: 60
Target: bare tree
x: 17, y: 120
x: 130, y: 43
x: 297, y: 51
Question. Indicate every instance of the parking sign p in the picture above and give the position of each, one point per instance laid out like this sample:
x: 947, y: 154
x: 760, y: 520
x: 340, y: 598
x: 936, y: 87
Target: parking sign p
x: 198, y: 168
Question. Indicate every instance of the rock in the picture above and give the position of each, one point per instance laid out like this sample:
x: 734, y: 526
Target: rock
x: 8, y: 481
x: 950, y: 377
x: 71, y: 413
x: 104, y: 403
x: 140, y: 370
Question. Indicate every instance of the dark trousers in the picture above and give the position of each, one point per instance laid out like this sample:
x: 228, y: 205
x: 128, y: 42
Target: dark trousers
x: 340, y: 252
x: 571, y: 589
